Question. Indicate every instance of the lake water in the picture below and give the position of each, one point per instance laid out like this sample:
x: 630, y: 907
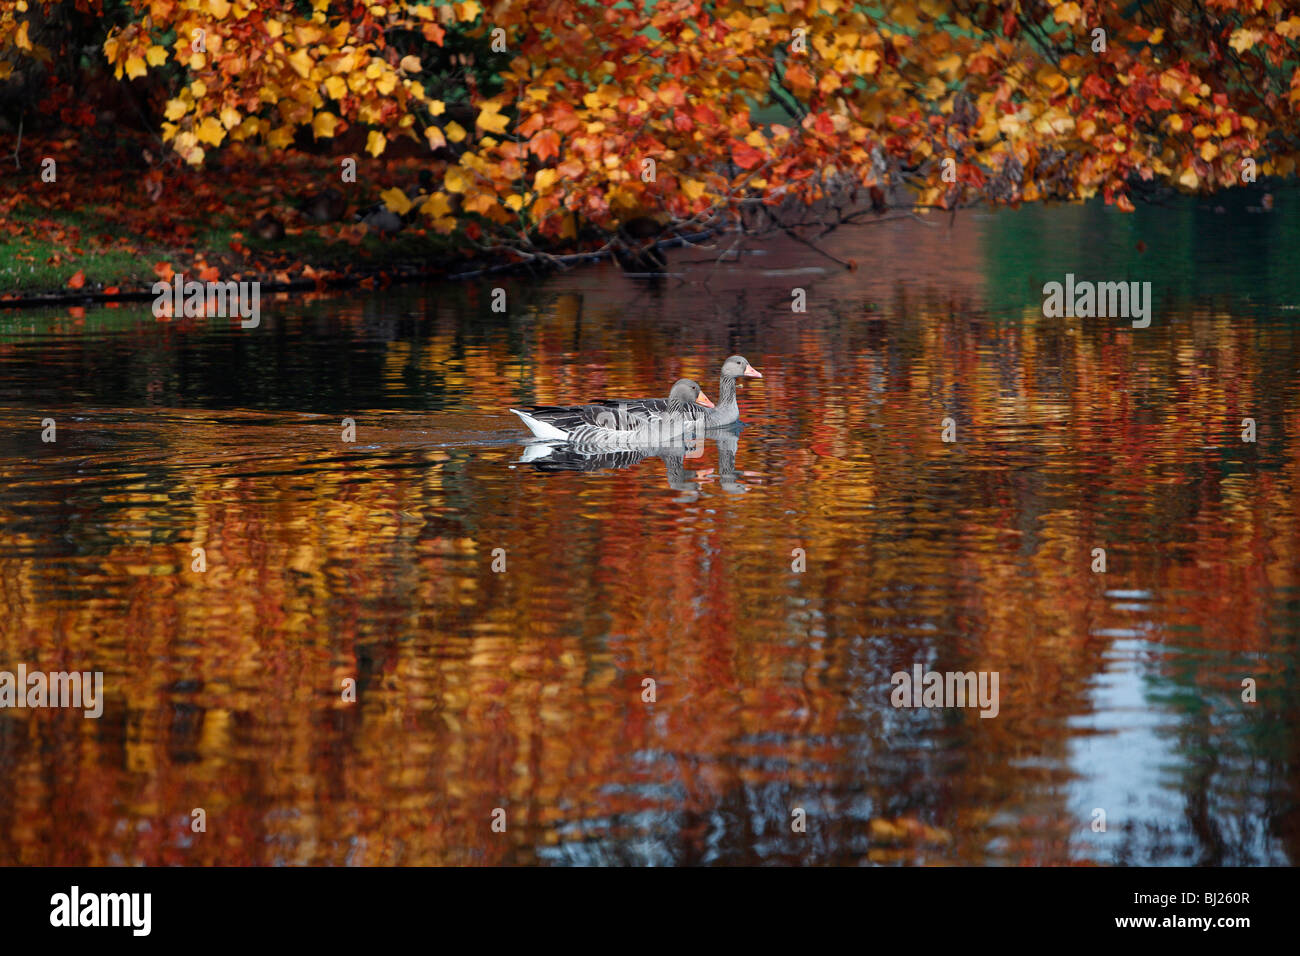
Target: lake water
x: 523, y: 688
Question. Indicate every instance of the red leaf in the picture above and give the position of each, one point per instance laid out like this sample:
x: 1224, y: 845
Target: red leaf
x: 745, y: 156
x: 78, y: 280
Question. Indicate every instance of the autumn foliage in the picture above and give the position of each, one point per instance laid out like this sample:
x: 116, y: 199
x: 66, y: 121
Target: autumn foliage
x: 596, y: 113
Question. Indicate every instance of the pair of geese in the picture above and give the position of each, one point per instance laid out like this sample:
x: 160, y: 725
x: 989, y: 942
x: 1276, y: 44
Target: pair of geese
x: 685, y: 413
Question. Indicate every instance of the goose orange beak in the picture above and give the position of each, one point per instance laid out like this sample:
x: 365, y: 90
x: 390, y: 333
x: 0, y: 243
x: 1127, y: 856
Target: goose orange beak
x: 752, y: 372
x: 704, y: 400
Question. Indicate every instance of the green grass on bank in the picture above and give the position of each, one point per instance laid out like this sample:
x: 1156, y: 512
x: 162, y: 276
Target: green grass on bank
x: 39, y: 261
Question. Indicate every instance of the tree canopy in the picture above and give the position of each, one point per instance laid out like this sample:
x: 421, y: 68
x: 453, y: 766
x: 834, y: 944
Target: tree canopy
x: 579, y: 113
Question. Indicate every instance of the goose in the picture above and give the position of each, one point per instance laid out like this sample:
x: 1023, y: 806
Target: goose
x: 268, y: 227
x: 328, y: 205
x: 618, y: 424
x: 727, y: 412
x: 382, y: 219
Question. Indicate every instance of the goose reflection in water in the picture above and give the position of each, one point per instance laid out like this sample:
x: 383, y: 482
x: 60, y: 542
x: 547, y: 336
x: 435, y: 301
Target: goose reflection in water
x: 549, y: 456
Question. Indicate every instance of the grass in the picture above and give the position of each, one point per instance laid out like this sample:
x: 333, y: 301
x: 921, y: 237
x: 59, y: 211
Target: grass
x: 39, y: 260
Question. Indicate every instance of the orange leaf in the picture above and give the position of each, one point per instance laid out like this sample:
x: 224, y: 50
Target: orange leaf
x: 545, y: 144
x: 78, y: 280
x: 164, y: 271
x: 209, y: 274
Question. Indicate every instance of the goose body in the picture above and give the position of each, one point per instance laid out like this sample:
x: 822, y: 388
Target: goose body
x: 625, y: 423
x: 636, y: 422
x: 381, y: 219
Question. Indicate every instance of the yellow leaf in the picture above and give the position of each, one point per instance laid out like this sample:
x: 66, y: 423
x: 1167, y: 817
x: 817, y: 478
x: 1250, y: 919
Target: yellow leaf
x: 455, y: 180
x: 230, y: 117
x: 948, y: 66
x: 22, y: 40
x: 1067, y: 13
x: 210, y: 131
x: 1188, y: 178
x: 386, y: 83
x: 396, y: 200
x: 1053, y: 80
x: 300, y: 60
x: 694, y: 189
x: 156, y: 55
x: 376, y: 143
x: 436, y: 205
x: 219, y: 8
x: 410, y: 64
x: 543, y: 179
x: 515, y: 201
x: 280, y: 137
x: 307, y: 34
x: 454, y: 131
x: 435, y: 137
x: 436, y: 107
x: 1243, y: 39
x: 468, y: 10
x: 491, y: 120
x: 336, y: 87
x: 134, y: 66
x: 176, y: 109
x: 1156, y: 36
x: 323, y: 124
x: 1209, y: 151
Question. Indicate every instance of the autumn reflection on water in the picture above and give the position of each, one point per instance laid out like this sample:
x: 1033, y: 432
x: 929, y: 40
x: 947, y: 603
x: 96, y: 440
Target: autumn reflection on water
x: 550, y: 457
x: 524, y: 689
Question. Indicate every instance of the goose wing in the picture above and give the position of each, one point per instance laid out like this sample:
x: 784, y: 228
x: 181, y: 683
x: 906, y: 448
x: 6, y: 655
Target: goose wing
x: 615, y: 415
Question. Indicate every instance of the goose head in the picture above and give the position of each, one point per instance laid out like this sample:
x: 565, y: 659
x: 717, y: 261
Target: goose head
x: 738, y: 366
x: 685, y: 390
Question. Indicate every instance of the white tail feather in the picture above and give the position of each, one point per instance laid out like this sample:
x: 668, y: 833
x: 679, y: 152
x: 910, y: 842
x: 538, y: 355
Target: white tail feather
x: 539, y: 428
